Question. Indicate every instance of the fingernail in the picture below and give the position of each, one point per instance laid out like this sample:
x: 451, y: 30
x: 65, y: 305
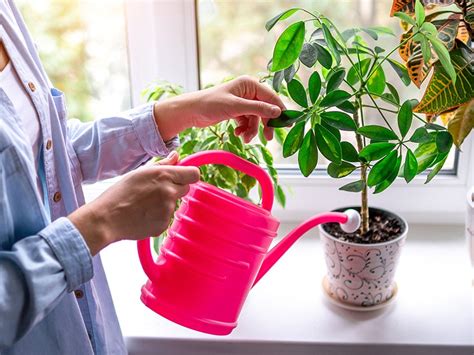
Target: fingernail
x: 172, y: 154
x: 275, y: 111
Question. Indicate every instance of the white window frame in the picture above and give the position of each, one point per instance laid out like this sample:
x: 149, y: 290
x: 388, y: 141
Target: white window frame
x: 163, y: 44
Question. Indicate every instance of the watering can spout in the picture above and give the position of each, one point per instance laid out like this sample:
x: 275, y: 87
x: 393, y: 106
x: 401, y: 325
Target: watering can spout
x: 349, y: 221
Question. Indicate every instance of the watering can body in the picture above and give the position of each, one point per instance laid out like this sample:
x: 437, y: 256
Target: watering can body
x: 216, y: 250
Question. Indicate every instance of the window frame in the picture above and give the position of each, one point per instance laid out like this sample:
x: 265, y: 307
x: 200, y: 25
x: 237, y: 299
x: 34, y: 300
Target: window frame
x: 174, y: 25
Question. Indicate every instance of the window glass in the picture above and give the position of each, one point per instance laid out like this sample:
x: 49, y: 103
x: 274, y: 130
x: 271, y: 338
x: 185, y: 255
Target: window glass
x: 233, y: 41
x: 82, y: 45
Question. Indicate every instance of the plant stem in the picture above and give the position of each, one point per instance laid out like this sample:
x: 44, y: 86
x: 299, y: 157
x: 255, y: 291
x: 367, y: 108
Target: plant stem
x: 364, y: 208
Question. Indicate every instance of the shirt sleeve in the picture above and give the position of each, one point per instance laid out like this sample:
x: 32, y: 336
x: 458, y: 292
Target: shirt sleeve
x: 112, y: 146
x: 36, y: 272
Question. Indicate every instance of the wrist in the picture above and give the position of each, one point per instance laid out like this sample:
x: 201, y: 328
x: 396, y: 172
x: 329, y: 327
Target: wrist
x: 93, y: 228
x: 174, y: 115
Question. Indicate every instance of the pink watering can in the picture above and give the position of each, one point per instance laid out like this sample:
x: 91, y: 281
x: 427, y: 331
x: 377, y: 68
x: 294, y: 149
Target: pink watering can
x: 217, y: 250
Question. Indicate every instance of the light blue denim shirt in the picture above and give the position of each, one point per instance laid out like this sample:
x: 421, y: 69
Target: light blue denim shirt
x: 54, y: 297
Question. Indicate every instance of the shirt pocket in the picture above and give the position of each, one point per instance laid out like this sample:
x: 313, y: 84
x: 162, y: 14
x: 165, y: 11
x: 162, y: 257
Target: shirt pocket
x: 21, y: 210
x: 61, y: 108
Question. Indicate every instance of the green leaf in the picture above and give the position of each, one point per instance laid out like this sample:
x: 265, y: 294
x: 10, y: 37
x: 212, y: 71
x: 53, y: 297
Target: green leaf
x: 401, y: 71
x: 391, y: 177
x: 280, y: 195
x: 332, y: 44
x: 434, y: 127
x: 425, y: 154
x: 425, y: 49
x: 377, y: 133
x: 298, y: 93
x: 347, y: 106
x: 288, y: 46
x: 436, y: 170
x: 371, y: 33
x: 314, y: 86
x: 335, y: 98
x: 261, y: 136
x: 411, y: 166
x: 267, y: 155
x: 280, y: 17
x: 228, y: 174
x: 382, y: 30
x: 339, y: 120
x: 356, y: 186
x: 328, y: 144
x: 335, y: 79
x: 444, y: 141
x: 444, y: 58
x: 289, y: 73
x: 349, y: 153
x: 286, y: 118
x: 419, y: 13
x: 405, y: 118
x: 293, y: 140
x: 421, y: 135
x: 277, y: 80
x: 308, y: 154
x: 339, y: 171
x: 375, y: 151
x: 429, y: 29
x: 394, y: 93
x: 359, y: 68
x: 280, y: 134
x: 309, y: 55
x: 324, y: 57
x: 404, y: 17
x: 376, y: 82
x: 335, y: 132
x: 382, y: 169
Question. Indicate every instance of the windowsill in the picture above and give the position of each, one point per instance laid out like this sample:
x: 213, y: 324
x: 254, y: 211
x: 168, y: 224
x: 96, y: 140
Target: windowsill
x: 287, y: 313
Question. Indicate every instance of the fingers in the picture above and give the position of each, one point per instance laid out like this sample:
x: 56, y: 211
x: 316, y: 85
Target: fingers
x: 252, y: 128
x: 256, y: 108
x: 181, y: 190
x: 171, y: 159
x: 264, y: 93
x: 184, y: 175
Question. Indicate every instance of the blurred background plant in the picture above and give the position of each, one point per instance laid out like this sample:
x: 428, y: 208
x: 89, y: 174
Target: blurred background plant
x: 222, y: 137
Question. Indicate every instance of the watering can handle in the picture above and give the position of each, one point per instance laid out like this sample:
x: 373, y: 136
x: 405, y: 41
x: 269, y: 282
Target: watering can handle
x: 213, y: 157
x: 237, y: 163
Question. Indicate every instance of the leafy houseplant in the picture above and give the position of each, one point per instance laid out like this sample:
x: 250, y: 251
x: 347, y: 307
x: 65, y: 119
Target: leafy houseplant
x: 348, y: 83
x: 353, y: 80
x: 221, y: 137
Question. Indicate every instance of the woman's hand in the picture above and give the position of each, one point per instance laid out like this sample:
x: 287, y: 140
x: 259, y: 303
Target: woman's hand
x: 243, y: 99
x: 138, y: 206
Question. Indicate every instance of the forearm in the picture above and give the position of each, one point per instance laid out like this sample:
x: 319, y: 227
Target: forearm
x: 112, y: 146
x: 35, y: 273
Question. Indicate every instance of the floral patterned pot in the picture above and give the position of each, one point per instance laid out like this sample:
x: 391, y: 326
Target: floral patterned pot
x: 362, y: 274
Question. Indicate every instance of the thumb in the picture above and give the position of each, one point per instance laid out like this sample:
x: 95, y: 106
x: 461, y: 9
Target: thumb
x: 171, y: 159
x: 257, y: 108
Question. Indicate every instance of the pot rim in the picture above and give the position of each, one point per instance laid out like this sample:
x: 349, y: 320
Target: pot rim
x: 400, y: 237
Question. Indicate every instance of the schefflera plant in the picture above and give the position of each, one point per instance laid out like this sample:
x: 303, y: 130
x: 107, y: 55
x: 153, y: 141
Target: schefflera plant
x: 348, y: 77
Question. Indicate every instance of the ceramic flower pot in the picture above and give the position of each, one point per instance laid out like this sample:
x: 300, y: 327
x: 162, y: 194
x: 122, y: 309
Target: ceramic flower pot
x: 362, y: 275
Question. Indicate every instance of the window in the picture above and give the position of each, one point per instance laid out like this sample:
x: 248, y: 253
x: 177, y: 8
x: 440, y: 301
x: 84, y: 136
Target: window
x: 112, y: 49
x: 83, y: 48
x: 233, y: 42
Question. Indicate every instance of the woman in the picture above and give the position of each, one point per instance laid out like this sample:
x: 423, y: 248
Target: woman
x: 54, y: 297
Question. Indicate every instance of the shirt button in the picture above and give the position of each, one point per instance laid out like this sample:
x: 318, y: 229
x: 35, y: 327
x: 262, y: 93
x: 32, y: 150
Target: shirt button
x: 32, y: 86
x: 79, y: 293
x: 57, y: 197
x: 49, y: 144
